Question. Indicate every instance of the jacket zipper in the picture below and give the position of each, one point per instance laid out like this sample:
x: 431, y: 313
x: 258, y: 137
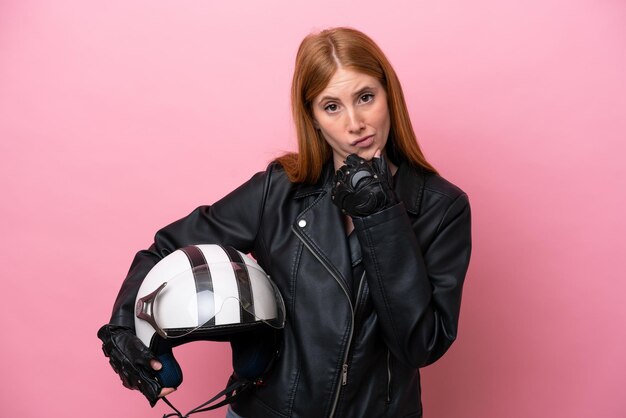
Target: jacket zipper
x: 344, y: 368
x: 388, y: 377
x: 356, y: 310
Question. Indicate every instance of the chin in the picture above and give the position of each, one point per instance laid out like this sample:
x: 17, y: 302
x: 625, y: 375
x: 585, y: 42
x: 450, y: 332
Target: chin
x: 367, y: 154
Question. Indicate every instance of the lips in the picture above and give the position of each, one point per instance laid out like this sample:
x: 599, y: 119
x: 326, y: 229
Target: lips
x: 363, y: 142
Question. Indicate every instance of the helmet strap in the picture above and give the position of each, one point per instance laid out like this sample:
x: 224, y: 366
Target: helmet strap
x: 232, y: 392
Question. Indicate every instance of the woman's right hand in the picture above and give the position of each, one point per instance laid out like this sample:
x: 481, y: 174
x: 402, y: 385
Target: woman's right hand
x: 132, y: 361
x: 362, y: 188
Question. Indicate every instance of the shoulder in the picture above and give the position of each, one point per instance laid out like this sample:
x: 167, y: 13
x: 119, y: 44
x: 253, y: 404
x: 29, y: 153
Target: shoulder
x: 257, y: 187
x: 435, y: 184
x: 422, y: 190
x: 276, y: 177
x: 273, y: 181
x: 443, y: 199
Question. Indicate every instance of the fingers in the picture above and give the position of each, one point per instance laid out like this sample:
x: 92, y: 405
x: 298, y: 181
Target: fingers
x: 379, y: 164
x: 155, y: 364
x: 166, y: 391
x: 353, y: 160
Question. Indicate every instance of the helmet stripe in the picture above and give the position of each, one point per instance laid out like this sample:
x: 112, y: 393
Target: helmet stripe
x: 243, y: 285
x: 203, y: 281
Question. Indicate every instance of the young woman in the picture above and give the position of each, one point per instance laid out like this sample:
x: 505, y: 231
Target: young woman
x: 367, y: 244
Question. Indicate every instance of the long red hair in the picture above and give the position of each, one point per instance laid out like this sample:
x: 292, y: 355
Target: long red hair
x: 318, y: 58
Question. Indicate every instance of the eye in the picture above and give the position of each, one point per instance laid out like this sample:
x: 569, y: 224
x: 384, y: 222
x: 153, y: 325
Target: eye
x: 331, y: 107
x: 366, y: 98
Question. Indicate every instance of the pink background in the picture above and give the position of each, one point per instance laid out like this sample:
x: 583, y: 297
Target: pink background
x: 108, y: 108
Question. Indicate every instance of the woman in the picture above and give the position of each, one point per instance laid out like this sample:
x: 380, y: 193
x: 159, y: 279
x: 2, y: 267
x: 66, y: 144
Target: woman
x: 368, y: 245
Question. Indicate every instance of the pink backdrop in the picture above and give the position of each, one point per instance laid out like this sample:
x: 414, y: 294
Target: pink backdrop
x: 105, y: 107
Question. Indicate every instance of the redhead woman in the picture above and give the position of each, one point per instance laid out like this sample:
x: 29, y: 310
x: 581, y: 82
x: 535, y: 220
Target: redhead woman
x: 367, y: 244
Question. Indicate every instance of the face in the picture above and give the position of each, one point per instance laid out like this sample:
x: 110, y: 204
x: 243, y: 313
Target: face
x: 352, y: 115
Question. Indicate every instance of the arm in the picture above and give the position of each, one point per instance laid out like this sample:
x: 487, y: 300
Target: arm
x: 417, y: 295
x: 234, y: 220
x: 231, y: 221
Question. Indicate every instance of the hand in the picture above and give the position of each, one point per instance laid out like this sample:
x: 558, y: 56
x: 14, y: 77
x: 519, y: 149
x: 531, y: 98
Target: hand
x: 132, y: 361
x: 362, y: 188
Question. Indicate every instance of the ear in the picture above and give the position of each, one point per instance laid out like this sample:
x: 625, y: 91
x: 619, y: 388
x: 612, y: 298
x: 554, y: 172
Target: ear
x: 316, y: 125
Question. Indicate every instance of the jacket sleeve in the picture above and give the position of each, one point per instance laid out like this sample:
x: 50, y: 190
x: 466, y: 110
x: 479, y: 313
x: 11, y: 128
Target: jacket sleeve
x: 416, y: 294
x: 233, y: 220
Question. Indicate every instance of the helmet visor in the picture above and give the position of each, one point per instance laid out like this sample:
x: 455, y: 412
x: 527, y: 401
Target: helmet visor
x: 215, y: 296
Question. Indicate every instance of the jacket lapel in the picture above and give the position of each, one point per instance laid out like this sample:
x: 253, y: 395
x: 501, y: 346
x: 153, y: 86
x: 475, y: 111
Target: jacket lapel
x: 320, y: 226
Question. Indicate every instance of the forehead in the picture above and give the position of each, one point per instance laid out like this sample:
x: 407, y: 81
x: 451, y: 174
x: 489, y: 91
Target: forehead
x: 347, y: 82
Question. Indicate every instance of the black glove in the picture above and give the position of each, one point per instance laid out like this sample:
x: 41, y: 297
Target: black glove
x: 130, y: 359
x: 362, y: 188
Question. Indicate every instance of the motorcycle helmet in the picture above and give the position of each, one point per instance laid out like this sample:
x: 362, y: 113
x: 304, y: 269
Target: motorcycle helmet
x: 214, y: 293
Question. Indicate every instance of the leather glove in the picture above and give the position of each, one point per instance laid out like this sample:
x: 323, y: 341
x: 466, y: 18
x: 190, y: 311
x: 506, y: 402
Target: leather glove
x: 362, y: 188
x: 130, y: 359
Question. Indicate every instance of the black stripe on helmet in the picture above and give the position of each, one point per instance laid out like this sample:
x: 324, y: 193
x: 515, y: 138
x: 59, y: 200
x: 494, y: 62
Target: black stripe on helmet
x: 203, y: 280
x: 243, y: 285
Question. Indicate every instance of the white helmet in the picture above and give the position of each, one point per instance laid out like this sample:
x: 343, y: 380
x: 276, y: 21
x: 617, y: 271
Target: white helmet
x: 216, y: 293
x: 206, y: 290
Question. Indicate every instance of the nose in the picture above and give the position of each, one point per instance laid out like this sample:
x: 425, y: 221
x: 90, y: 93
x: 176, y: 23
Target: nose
x: 355, y: 121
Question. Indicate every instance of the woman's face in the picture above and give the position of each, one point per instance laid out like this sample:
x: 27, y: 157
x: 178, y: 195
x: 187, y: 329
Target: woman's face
x: 352, y: 115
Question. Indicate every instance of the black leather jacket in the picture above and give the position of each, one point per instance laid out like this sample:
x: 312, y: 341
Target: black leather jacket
x: 351, y: 348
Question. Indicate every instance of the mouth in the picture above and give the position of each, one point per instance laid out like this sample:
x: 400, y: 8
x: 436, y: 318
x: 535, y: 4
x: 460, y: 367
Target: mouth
x: 361, y: 140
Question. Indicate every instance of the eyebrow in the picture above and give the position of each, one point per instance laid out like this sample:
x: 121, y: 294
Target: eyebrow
x: 355, y: 94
